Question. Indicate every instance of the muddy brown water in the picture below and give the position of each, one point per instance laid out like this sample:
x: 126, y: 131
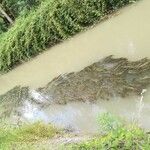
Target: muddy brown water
x: 126, y: 34
x: 83, y: 117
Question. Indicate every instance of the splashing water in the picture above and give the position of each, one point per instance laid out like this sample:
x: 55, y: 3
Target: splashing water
x: 33, y: 113
x: 39, y: 98
x: 141, y: 104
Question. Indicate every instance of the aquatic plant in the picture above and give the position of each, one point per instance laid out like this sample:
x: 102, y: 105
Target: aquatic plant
x: 12, y: 100
x: 108, y: 78
x: 52, y: 22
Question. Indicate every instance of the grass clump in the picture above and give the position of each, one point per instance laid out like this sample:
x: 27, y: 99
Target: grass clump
x: 124, y: 138
x: 116, y: 136
x: 26, y: 134
x: 52, y: 22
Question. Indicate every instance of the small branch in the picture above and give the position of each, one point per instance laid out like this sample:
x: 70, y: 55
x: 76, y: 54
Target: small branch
x: 6, y: 16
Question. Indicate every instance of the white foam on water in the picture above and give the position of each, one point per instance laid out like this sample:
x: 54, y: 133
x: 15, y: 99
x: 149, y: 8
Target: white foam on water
x: 32, y: 113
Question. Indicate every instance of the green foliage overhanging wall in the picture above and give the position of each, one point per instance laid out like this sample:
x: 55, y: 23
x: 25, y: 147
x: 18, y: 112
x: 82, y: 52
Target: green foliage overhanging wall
x: 52, y: 22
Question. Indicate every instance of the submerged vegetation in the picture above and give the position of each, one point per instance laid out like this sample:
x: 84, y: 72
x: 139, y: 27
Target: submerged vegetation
x: 12, y: 100
x: 52, y: 22
x: 108, y: 78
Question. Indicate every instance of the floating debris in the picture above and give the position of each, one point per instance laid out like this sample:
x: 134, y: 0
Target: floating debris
x: 12, y: 100
x: 110, y: 77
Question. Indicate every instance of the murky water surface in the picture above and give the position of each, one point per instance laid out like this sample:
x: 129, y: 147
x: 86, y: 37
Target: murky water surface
x: 124, y: 35
x: 83, y: 117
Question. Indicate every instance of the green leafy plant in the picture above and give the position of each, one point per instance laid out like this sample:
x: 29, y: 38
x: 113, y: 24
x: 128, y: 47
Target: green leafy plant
x: 52, y: 22
x: 15, y: 8
x: 122, y: 138
x: 117, y: 137
x: 108, y: 122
